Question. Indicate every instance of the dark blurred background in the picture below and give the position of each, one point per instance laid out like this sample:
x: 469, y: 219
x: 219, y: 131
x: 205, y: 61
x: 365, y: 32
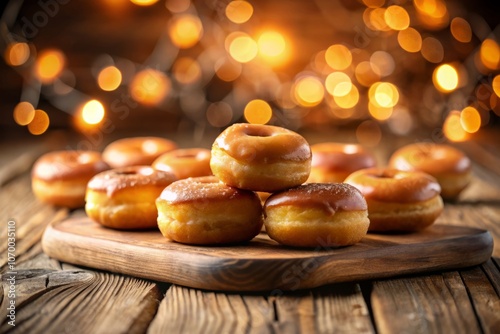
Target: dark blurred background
x: 179, y: 66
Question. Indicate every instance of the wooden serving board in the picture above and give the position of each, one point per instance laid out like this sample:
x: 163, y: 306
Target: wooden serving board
x: 262, y: 264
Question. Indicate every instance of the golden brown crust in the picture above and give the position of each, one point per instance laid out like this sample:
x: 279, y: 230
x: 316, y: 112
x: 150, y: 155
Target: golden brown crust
x: 450, y: 166
x: 406, y: 217
x: 433, y: 159
x: 127, y: 178
x: 255, y: 143
x: 66, y: 165
x: 207, y: 212
x: 136, y: 151
x: 60, y: 178
x: 329, y: 197
x: 391, y: 185
x: 260, y: 158
x: 398, y: 201
x: 201, y: 189
x: 333, y: 162
x: 317, y: 215
x: 124, y: 198
x: 184, y: 163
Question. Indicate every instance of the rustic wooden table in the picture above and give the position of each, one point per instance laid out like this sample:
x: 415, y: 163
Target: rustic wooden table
x: 55, y: 297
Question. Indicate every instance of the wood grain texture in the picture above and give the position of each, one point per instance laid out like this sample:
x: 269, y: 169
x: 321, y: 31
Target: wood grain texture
x: 432, y: 304
x: 18, y: 203
x: 185, y: 310
x: 262, y: 264
x: 80, y: 301
x: 59, y: 297
x: 341, y: 308
x: 485, y: 298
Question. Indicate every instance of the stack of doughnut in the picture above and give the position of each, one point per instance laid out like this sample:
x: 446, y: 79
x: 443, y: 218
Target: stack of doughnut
x: 324, y: 195
x: 249, y: 158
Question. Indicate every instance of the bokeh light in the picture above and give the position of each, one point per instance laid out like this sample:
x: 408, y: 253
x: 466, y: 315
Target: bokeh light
x: 490, y: 54
x: 17, y: 54
x: 495, y: 84
x: 445, y: 78
x: 378, y: 112
x: 150, y: 87
x: 375, y: 19
x: 40, y: 123
x: 24, y: 112
x: 239, y: 11
x: 186, y: 70
x: 227, y: 69
x: 410, y: 40
x: 382, y: 63
x: 308, y: 91
x: 258, y: 112
x: 338, y: 57
x: 432, y: 50
x: 177, y: 6
x: 109, y: 78
x: 383, y: 95
x: 452, y: 127
x: 365, y: 74
x: 461, y: 30
x: 271, y: 44
x: 397, y: 17
x: 93, y: 112
x: 185, y: 30
x: 373, y: 3
x: 348, y: 100
x: 470, y: 119
x: 49, y: 65
x: 432, y: 13
x: 338, y: 83
x: 144, y: 2
x: 243, y: 49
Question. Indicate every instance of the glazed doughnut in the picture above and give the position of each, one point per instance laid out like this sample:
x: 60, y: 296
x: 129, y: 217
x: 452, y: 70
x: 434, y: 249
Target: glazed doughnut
x: 124, y: 198
x: 333, y: 162
x: 205, y: 211
x: 451, y: 167
x: 317, y: 215
x: 398, y: 201
x: 60, y: 178
x: 184, y: 163
x: 136, y: 151
x: 260, y: 157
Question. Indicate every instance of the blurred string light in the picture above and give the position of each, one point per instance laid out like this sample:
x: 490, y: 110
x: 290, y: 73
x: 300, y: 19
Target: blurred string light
x: 410, y: 49
x: 109, y: 78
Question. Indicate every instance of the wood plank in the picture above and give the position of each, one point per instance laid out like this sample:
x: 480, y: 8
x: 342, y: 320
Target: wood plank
x: 485, y: 299
x: 262, y: 264
x: 484, y: 216
x: 294, y: 313
x: 29, y: 232
x: 341, y: 308
x: 492, y: 271
x: 52, y: 301
x: 185, y: 310
x: 432, y: 304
